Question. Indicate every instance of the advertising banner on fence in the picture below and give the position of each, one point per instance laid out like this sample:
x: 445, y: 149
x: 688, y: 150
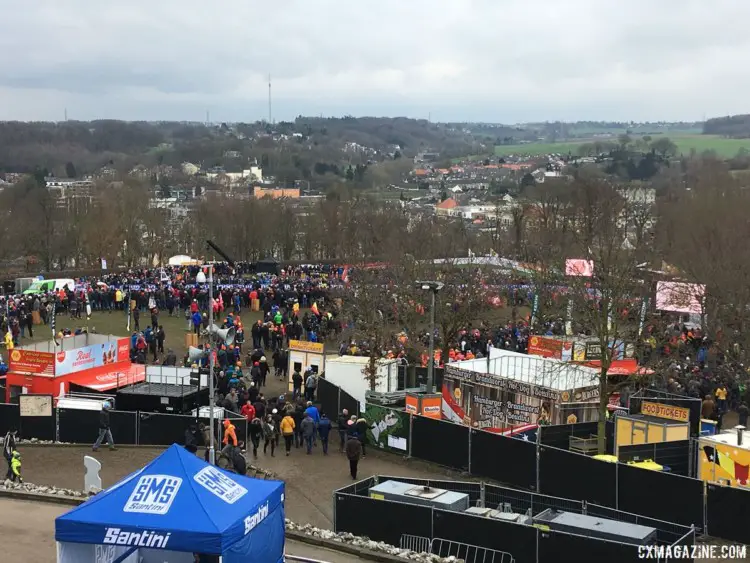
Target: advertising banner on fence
x: 388, y: 429
x: 31, y: 361
x: 93, y: 356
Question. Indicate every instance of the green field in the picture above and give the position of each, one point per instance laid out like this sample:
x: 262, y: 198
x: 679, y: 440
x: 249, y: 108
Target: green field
x: 685, y: 143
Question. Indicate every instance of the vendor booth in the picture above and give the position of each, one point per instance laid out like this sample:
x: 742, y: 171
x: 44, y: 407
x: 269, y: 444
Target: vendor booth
x: 511, y: 392
x: 172, y: 509
x: 725, y: 458
x: 655, y: 423
x: 85, y: 362
x: 304, y: 355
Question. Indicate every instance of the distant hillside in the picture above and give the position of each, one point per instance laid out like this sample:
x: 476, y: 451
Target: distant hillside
x: 285, y: 149
x: 735, y: 126
x: 412, y: 135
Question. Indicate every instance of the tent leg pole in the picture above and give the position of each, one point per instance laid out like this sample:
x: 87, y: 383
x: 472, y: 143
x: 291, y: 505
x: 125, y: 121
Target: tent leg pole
x: 211, y: 400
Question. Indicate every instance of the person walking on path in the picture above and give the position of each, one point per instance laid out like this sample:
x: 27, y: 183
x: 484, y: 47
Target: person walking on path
x: 308, y: 432
x: 9, y: 446
x: 269, y: 435
x: 361, y: 426
x: 255, y: 430
x: 310, y: 384
x: 15, y: 468
x: 324, y: 430
x: 342, y: 423
x: 353, y: 453
x: 287, y: 430
x: 104, y: 429
x: 313, y: 412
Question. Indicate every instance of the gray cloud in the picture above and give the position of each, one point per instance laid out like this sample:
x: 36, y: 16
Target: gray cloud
x: 510, y: 60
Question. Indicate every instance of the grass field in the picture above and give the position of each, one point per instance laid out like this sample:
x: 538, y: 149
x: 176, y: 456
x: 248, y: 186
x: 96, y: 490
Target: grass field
x: 723, y: 147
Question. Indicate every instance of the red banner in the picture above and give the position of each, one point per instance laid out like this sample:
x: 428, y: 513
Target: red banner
x: 545, y: 347
x: 123, y: 349
x: 31, y: 361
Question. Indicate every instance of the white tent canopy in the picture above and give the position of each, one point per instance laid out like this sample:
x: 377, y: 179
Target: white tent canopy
x: 180, y: 260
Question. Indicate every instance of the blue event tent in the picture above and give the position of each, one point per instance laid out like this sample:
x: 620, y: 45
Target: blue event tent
x: 173, y: 508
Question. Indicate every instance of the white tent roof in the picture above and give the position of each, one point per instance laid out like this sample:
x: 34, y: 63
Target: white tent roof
x: 179, y: 260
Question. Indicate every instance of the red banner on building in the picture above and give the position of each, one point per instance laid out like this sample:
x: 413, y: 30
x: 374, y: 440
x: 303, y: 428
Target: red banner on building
x: 31, y: 361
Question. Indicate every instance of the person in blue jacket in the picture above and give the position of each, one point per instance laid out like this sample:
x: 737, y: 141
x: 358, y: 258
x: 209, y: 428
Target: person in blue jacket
x: 324, y: 429
x: 313, y: 412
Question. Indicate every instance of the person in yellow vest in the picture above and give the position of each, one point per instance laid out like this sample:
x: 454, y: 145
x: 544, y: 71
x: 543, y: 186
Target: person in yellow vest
x: 118, y: 299
x: 721, y: 398
x: 9, y: 341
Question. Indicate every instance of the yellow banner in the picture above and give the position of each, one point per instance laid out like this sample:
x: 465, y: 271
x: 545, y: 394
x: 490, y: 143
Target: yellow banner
x: 304, y: 346
x: 665, y: 411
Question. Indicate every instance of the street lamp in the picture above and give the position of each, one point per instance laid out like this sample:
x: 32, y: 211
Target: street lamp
x: 433, y: 287
x: 201, y: 278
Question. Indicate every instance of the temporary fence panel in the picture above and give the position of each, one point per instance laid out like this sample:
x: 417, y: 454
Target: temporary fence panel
x: 361, y: 488
x: 467, y: 552
x: 686, y: 542
x: 557, y: 546
x: 508, y: 460
x: 39, y: 427
x: 674, y: 455
x: 728, y: 512
x: 346, y: 401
x: 517, y: 539
x: 440, y: 442
x: 157, y: 429
x: 575, y: 476
x: 503, y: 498
x: 381, y: 520
x: 387, y: 429
x: 667, y: 533
x: 82, y: 426
x: 10, y: 417
x: 327, y: 395
x: 671, y: 498
x: 558, y: 435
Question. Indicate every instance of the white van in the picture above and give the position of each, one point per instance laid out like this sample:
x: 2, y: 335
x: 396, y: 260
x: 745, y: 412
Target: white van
x: 47, y: 286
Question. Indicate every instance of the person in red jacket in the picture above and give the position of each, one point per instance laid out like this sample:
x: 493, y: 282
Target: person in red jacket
x: 248, y: 411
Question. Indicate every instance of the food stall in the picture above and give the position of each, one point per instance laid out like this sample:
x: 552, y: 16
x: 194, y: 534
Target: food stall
x: 512, y: 392
x: 86, y: 362
x: 725, y: 458
x: 656, y: 423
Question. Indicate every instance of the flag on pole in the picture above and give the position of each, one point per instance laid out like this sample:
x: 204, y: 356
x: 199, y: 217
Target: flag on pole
x: 52, y: 323
x: 314, y: 309
x: 534, y: 309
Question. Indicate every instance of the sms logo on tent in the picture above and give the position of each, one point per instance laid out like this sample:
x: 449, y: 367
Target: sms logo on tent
x: 217, y: 483
x: 153, y: 494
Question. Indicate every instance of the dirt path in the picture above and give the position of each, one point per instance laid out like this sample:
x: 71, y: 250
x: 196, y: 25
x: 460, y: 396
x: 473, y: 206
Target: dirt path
x: 310, y: 480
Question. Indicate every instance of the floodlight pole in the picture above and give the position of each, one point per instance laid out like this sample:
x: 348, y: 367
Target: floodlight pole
x: 433, y: 287
x: 431, y: 358
x: 211, y: 401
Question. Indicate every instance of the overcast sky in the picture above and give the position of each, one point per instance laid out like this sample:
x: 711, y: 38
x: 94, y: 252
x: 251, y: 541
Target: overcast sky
x: 475, y: 60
